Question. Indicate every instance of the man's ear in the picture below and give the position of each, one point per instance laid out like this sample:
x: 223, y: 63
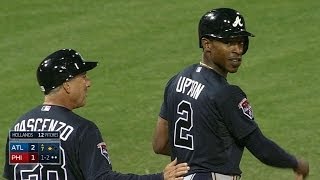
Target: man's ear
x: 206, y: 43
x: 66, y: 87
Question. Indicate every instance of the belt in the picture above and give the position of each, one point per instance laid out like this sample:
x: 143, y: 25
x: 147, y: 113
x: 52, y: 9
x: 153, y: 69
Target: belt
x: 214, y: 176
x: 218, y: 176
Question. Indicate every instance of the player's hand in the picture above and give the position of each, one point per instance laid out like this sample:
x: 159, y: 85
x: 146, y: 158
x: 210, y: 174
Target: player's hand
x: 302, y: 169
x: 298, y: 176
x: 174, y: 171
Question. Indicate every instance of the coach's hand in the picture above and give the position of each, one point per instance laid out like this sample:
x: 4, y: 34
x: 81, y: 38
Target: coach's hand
x: 174, y: 171
x: 302, y: 169
x: 298, y: 176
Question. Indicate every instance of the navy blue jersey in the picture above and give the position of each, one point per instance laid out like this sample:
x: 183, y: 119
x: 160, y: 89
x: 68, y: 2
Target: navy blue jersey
x: 207, y: 120
x: 83, y: 152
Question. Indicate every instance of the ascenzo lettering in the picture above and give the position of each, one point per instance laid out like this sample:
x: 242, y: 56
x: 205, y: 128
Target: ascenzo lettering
x: 191, y: 87
x: 39, y: 124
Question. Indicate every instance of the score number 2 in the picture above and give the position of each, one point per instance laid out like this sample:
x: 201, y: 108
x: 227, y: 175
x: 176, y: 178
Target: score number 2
x: 183, y: 137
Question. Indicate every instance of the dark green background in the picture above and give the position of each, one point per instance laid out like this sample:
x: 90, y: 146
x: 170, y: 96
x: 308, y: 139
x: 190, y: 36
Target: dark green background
x: 140, y: 44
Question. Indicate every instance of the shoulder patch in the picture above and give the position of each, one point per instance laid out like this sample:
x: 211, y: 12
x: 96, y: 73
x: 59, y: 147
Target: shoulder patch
x: 246, y: 108
x: 103, y: 150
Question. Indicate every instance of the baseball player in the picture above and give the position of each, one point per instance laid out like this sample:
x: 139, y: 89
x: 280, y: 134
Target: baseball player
x: 62, y: 78
x: 207, y: 122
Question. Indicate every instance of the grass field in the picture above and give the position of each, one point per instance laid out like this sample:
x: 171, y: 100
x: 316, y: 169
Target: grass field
x: 140, y: 44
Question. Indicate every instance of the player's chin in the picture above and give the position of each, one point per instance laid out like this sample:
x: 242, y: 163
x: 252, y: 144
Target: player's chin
x: 82, y: 103
x: 233, y: 70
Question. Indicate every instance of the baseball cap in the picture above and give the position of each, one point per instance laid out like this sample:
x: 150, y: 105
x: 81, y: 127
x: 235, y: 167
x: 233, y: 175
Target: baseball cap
x: 61, y: 66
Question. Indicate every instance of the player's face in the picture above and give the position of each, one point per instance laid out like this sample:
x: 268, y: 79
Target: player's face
x: 226, y: 54
x: 78, y: 89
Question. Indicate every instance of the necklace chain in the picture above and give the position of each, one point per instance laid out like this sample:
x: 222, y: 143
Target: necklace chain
x: 205, y: 65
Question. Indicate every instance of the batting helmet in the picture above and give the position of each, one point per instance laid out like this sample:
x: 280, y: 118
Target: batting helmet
x: 223, y: 23
x: 59, y: 67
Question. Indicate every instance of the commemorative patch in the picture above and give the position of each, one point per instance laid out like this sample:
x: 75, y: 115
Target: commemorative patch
x: 103, y: 150
x: 246, y: 108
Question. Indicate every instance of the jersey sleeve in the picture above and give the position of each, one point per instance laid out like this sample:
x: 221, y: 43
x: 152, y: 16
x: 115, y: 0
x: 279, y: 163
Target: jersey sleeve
x: 95, y: 161
x: 268, y: 151
x: 163, y: 111
x: 236, y: 111
x: 93, y: 155
x: 164, y: 108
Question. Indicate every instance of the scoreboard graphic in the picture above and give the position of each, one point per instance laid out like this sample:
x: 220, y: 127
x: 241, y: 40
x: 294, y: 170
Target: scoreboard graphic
x: 34, y: 147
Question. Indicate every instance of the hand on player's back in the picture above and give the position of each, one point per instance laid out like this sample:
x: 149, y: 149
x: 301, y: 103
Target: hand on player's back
x: 174, y: 171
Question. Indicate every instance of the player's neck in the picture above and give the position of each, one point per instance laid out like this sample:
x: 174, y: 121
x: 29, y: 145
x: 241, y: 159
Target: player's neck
x: 57, y: 100
x: 213, y: 67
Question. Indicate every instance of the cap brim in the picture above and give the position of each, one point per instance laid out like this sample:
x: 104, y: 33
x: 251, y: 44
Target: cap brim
x: 242, y: 33
x: 89, y: 65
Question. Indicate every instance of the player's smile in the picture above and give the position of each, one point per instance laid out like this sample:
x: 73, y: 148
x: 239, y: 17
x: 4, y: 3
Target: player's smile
x: 235, y: 62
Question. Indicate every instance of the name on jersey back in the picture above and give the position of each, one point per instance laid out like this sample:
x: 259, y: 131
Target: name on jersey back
x: 40, y: 124
x: 189, y: 87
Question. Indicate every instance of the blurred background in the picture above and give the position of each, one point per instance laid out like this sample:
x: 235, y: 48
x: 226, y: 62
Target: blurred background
x: 140, y: 44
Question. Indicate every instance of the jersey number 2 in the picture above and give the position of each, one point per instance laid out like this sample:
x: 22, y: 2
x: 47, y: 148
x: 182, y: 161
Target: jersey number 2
x: 182, y: 129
